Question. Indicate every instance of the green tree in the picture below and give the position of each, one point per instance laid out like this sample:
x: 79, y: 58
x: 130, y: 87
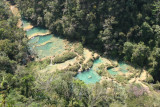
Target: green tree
x: 154, y: 62
x: 140, y: 54
x: 128, y: 50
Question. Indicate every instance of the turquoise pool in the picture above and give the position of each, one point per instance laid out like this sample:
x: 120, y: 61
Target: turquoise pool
x: 39, y: 40
x: 25, y: 23
x: 53, y: 45
x: 56, y: 46
x: 43, y: 39
x: 36, y: 30
x: 44, y: 50
x: 121, y: 68
x: 33, y: 41
x: 91, y: 75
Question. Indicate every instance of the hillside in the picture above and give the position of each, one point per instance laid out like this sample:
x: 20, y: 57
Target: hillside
x: 79, y: 53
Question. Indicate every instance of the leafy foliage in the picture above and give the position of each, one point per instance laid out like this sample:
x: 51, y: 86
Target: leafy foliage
x: 62, y: 58
x: 127, y: 29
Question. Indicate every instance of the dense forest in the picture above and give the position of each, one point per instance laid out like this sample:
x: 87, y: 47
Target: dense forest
x: 124, y: 29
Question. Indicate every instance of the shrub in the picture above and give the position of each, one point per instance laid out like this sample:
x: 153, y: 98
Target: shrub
x: 121, y: 79
x: 137, y: 90
x: 99, y: 72
x: 141, y: 101
x: 38, y: 64
x: 79, y: 49
x: 114, y: 63
x: 84, y: 67
x: 149, y: 79
x: 88, y: 65
x: 156, y: 86
x: 73, y: 67
x: 102, y: 71
x: 81, y: 60
x: 116, y: 104
x: 66, y: 56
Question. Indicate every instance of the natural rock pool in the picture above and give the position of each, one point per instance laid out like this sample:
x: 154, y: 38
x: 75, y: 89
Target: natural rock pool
x: 91, y: 76
x: 45, y: 44
x: 42, y: 42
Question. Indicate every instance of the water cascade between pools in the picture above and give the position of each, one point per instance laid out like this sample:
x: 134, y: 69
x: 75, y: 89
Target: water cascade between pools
x: 45, y: 45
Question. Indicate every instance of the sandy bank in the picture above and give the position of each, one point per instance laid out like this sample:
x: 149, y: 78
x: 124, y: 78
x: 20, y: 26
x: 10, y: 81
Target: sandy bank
x: 39, y: 34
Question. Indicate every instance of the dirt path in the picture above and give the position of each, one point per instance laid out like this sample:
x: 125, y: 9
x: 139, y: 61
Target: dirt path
x: 15, y: 11
x: 17, y: 14
x: 87, y: 55
x: 143, y: 75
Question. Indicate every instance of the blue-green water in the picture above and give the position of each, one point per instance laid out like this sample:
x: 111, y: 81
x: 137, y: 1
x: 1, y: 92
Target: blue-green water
x: 43, y: 39
x: 85, y: 76
x: 91, y: 75
x: 25, y: 23
x: 53, y: 45
x: 56, y: 46
x: 45, y: 47
x: 38, y: 40
x: 122, y: 67
x: 33, y: 41
x: 36, y: 30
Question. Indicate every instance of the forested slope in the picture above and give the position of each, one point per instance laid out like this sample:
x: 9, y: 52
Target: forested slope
x: 13, y: 54
x: 127, y: 29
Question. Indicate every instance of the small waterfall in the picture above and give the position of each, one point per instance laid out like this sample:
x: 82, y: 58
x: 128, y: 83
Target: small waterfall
x: 51, y: 61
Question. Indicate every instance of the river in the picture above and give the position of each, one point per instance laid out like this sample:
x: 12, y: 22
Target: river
x: 47, y: 45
